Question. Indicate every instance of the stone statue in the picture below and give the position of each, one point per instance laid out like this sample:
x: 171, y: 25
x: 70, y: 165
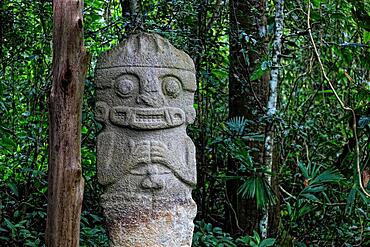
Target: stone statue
x: 145, y: 92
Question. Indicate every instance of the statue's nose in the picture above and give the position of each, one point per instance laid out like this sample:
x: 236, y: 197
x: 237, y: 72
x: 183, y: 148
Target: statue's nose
x: 150, y: 95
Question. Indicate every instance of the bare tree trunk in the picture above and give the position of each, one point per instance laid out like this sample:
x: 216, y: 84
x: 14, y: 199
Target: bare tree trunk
x: 70, y: 62
x: 248, y: 98
x: 271, y: 110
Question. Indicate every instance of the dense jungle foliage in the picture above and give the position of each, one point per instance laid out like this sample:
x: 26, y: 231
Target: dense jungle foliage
x: 321, y: 152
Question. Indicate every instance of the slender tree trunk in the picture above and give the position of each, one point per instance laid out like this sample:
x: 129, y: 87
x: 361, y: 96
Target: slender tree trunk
x: 70, y: 63
x: 247, y: 97
x: 271, y: 217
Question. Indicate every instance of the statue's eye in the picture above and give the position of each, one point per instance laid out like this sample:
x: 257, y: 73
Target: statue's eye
x: 125, y: 85
x: 171, y: 86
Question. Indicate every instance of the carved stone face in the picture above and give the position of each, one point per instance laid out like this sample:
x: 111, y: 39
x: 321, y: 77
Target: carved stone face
x: 148, y: 93
x: 152, y: 98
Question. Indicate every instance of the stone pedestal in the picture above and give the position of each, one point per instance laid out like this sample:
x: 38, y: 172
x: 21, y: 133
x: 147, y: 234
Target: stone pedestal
x: 145, y: 92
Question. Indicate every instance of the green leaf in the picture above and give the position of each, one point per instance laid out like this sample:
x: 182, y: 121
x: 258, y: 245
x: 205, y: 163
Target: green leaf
x: 3, y: 230
x: 237, y: 125
x: 7, y: 143
x: 303, y: 169
x: 313, y: 189
x: 289, y: 208
x: 350, y: 200
x: 366, y: 36
x: 256, y: 236
x: 13, y: 188
x: 96, y: 217
x: 263, y: 69
x: 305, y: 210
x: 9, y: 224
x: 316, y: 3
x: 84, y: 130
x: 258, y: 187
x: 267, y: 242
x: 328, y: 176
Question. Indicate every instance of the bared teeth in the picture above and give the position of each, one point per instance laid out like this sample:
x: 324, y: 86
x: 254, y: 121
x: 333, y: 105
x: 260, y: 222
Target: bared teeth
x: 138, y: 118
x: 149, y: 118
x: 121, y: 115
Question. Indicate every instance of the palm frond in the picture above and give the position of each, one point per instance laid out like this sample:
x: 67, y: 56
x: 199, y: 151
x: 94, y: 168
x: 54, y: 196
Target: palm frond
x: 258, y: 187
x: 236, y: 125
x: 327, y: 176
x: 317, y: 180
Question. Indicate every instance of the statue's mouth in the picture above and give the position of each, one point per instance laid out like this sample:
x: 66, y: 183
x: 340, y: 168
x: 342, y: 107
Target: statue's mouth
x: 139, y: 118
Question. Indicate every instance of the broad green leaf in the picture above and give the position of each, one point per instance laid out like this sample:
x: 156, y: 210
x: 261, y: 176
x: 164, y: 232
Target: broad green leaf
x: 267, y: 242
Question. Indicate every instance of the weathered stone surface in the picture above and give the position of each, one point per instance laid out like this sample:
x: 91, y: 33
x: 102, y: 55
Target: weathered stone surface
x: 145, y: 90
